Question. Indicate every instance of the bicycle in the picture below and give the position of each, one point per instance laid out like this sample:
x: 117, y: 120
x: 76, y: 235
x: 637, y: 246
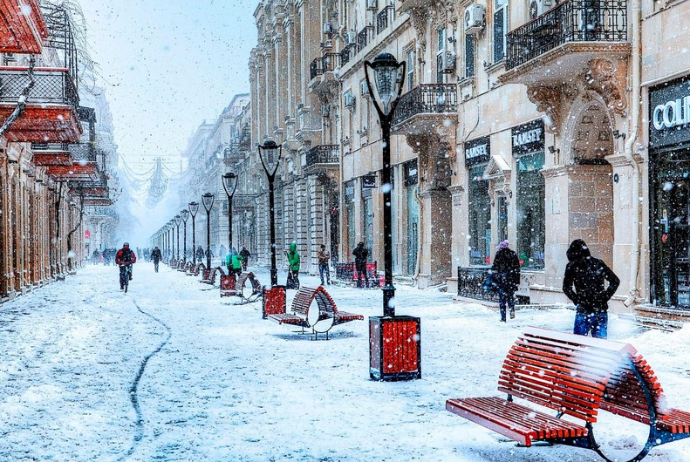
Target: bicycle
x: 125, y: 275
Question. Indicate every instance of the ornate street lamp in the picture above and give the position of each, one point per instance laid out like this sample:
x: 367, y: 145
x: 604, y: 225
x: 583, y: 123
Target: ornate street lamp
x: 391, y: 357
x: 193, y: 209
x: 178, y: 220
x: 185, y: 215
x: 207, y: 199
x: 230, y: 186
x: 270, y: 153
x: 171, y: 228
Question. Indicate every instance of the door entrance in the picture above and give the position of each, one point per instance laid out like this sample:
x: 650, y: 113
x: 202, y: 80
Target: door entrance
x: 672, y: 239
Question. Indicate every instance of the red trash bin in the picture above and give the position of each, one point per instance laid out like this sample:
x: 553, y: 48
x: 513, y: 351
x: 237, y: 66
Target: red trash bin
x: 274, y: 300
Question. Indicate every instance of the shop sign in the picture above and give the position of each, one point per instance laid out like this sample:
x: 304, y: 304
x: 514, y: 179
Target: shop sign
x: 528, y: 138
x: 369, y: 182
x: 87, y: 234
x: 411, y: 174
x: 669, y: 118
x: 477, y: 151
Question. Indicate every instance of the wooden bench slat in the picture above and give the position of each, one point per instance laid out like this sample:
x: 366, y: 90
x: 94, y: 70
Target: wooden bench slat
x: 513, y: 420
x: 677, y: 421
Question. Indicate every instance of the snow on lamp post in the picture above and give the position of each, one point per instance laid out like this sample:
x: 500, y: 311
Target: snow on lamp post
x: 230, y: 186
x: 185, y: 216
x: 178, y: 220
x: 207, y: 199
x: 193, y: 209
x: 394, y: 341
x: 171, y: 228
x: 270, y: 153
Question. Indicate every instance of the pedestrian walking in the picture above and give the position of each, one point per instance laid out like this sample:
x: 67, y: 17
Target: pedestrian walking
x: 505, y: 273
x: 156, y: 257
x: 293, y: 268
x: 245, y: 257
x: 584, y: 283
x: 236, y: 263
x: 324, y: 259
x: 361, y: 254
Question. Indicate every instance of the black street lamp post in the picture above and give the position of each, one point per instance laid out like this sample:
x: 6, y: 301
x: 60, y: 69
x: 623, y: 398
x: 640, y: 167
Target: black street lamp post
x: 270, y: 153
x: 185, y: 216
x: 178, y: 220
x: 230, y: 186
x: 392, y: 356
x: 207, y: 199
x: 193, y: 209
x: 171, y: 228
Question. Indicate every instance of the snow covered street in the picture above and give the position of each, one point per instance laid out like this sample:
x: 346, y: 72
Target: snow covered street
x: 172, y: 372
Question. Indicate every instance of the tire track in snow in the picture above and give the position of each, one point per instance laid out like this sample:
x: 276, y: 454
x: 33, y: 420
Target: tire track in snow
x: 133, y: 390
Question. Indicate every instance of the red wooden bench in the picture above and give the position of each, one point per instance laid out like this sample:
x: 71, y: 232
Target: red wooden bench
x: 209, y: 275
x: 232, y: 286
x: 319, y: 317
x: 577, y: 376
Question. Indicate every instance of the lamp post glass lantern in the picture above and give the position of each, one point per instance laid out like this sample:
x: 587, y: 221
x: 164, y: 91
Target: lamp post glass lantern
x: 392, y: 356
x: 185, y: 216
x: 270, y: 154
x: 193, y: 209
x: 207, y: 199
x: 230, y: 186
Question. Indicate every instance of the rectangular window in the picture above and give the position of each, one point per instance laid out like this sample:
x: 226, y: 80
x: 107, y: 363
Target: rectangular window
x: 469, y: 55
x: 350, y: 213
x: 530, y: 210
x: 410, y: 69
x: 500, y: 28
x: 440, y: 76
x: 480, y: 217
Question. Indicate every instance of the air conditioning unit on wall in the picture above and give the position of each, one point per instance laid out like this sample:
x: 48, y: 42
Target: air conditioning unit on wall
x: 351, y: 37
x: 372, y: 4
x: 448, y: 62
x: 538, y: 7
x: 475, y: 18
x: 349, y: 100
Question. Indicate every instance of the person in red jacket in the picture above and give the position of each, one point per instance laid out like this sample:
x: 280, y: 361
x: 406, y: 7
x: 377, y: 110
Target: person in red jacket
x: 126, y: 256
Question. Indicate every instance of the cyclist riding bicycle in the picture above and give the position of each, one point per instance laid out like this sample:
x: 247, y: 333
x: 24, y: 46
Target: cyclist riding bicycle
x: 125, y: 258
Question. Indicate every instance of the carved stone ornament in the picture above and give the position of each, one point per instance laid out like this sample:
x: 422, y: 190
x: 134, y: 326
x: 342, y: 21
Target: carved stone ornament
x: 419, y: 20
x: 547, y: 100
x: 601, y: 77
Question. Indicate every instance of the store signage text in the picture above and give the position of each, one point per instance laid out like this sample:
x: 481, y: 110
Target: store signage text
x: 530, y: 136
x: 672, y: 114
x: 476, y: 151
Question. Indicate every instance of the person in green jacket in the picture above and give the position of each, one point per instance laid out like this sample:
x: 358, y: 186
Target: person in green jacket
x: 293, y: 269
x: 237, y: 261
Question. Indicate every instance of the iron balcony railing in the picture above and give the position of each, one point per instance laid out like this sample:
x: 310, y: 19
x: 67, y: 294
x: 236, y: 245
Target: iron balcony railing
x: 571, y: 21
x: 324, y: 154
x: 326, y: 63
x: 365, y: 36
x: 59, y: 147
x: 245, y: 138
x: 434, y: 98
x: 471, y: 284
x: 82, y: 152
x: 51, y: 86
x: 348, y: 53
x: 385, y: 17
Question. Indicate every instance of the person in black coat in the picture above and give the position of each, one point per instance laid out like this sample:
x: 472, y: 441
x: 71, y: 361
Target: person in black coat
x: 361, y: 255
x: 506, y: 274
x: 156, y: 257
x: 584, y: 284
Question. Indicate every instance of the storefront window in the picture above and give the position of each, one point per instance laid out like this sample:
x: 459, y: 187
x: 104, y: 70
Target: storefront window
x: 411, y: 180
x: 350, y: 213
x: 480, y: 217
x: 368, y: 220
x: 530, y: 210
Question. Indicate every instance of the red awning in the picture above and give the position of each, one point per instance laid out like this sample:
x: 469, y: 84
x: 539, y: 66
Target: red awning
x: 43, y: 124
x: 22, y: 28
x: 75, y: 172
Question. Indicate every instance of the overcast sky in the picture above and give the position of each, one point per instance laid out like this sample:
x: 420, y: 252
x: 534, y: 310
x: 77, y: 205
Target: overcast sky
x: 167, y: 65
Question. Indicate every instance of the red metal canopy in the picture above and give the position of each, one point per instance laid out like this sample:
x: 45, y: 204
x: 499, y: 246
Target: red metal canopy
x: 75, y: 172
x: 44, y: 159
x: 22, y: 28
x: 43, y: 124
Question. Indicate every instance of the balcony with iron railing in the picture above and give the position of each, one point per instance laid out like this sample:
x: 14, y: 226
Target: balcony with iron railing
x: 83, y: 152
x: 50, y: 114
x: 348, y: 53
x: 563, y: 39
x: 426, y: 107
x: 326, y: 63
x: 322, y: 157
x: 384, y: 18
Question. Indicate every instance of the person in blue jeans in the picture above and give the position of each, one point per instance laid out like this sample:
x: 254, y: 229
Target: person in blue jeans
x: 324, y: 258
x: 590, y: 284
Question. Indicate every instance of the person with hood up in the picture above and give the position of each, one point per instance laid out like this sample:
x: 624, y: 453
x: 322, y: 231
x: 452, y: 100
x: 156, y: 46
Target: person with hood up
x: 236, y: 262
x: 293, y: 267
x: 584, y: 284
x: 156, y: 257
x: 506, y: 274
x: 361, y: 255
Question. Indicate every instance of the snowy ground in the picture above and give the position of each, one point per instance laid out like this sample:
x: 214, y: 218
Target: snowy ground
x: 172, y: 372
